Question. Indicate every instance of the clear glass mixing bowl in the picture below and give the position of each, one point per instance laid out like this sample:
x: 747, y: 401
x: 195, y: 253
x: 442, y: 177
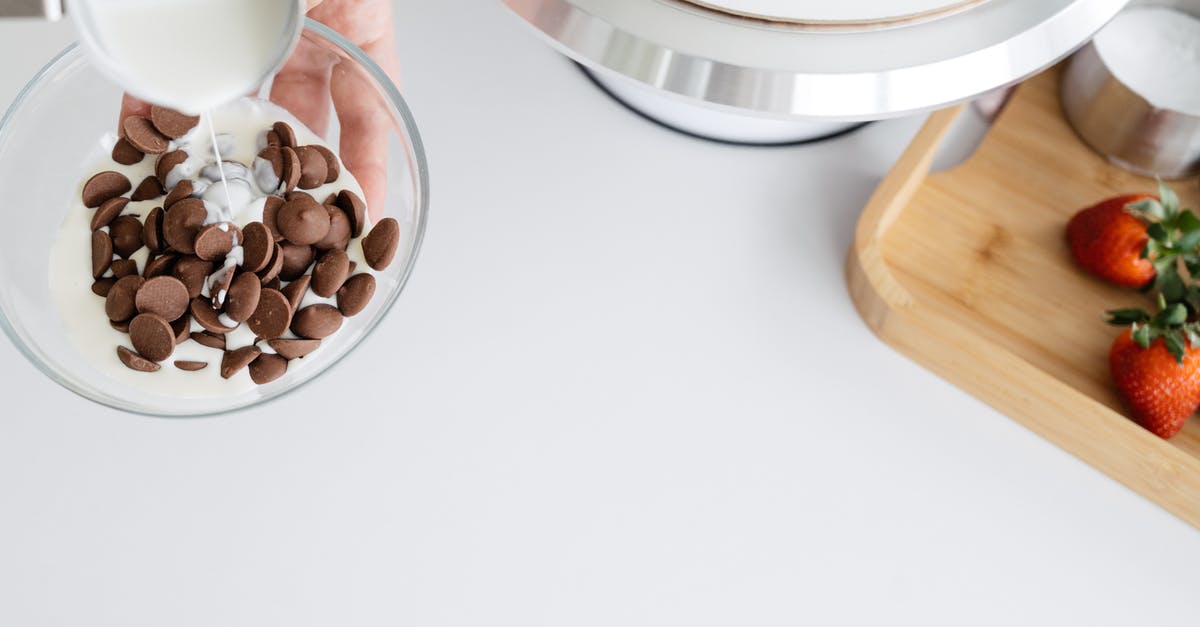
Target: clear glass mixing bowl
x: 60, y: 116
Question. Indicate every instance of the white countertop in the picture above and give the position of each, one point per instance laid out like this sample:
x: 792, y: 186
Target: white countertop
x: 625, y: 386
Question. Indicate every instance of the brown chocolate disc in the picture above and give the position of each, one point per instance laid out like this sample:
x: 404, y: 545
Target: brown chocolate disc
x: 167, y: 162
x: 296, y: 289
x: 274, y: 156
x: 126, y: 234
x: 274, y: 266
x: 102, y: 252
x: 287, y: 137
x: 207, y: 317
x: 104, y: 186
x: 302, y: 220
x: 142, y: 134
x: 233, y: 361
x: 273, y: 139
x: 163, y: 296
x: 211, y: 340
x: 148, y: 189
x: 317, y: 321
x: 356, y: 210
x: 330, y: 273
x: 313, y: 168
x: 152, y: 235
x: 272, y: 316
x: 190, y: 366
x: 291, y: 169
x: 182, y: 223
x: 379, y: 246
x: 270, y: 213
x: 214, y: 241
x: 172, y: 123
x: 160, y: 265
x: 108, y: 211
x: 339, y: 230
x: 242, y: 300
x: 123, y: 267
x: 333, y: 168
x: 182, y: 327
x: 152, y: 337
x: 293, y: 349
x: 266, y: 368
x: 218, y: 286
x: 100, y: 287
x: 192, y: 271
x: 123, y: 326
x: 120, y: 304
x: 182, y: 190
x: 134, y: 361
x: 257, y: 246
x: 296, y: 260
x: 124, y: 153
x: 354, y: 295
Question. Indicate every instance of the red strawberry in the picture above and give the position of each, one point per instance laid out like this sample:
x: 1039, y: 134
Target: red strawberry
x: 1107, y: 241
x: 1160, y: 391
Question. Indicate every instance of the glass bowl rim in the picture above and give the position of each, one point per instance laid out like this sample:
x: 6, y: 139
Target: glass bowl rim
x: 392, y: 94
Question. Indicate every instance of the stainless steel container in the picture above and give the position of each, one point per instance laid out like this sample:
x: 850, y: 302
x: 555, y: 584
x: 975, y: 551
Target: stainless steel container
x: 1122, y: 124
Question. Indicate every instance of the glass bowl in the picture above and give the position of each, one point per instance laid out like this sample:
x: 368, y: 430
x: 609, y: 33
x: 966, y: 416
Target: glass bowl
x: 58, y: 119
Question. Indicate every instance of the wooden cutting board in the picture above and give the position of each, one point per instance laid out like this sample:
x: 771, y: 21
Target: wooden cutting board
x: 967, y: 273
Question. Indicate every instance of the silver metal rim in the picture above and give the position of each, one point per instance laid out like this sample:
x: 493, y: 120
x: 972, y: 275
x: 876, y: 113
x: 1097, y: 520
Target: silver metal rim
x: 774, y: 69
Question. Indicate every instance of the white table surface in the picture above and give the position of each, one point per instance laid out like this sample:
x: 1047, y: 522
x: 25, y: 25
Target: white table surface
x: 625, y: 387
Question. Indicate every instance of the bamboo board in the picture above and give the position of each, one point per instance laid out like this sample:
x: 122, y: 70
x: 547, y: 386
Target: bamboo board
x: 967, y: 273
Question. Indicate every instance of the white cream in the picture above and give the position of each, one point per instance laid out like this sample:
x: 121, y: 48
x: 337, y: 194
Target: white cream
x: 243, y: 123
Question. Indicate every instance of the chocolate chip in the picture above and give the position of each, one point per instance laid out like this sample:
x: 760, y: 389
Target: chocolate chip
x: 192, y: 271
x: 122, y: 326
x: 330, y: 273
x: 295, y: 291
x: 302, y: 220
x: 379, y: 246
x: 339, y: 230
x: 273, y: 139
x: 134, y: 361
x: 211, y: 340
x: 272, y: 316
x: 167, y: 162
x: 317, y: 321
x: 243, y: 297
x: 287, y: 137
x: 172, y: 123
x: 102, y: 251
x: 124, y: 153
x: 108, y: 211
x: 190, y: 366
x: 124, y: 267
x: 152, y: 235
x: 273, y: 284
x: 269, y: 182
x: 214, y: 241
x: 152, y: 337
x: 182, y: 190
x: 270, y: 213
x: 207, y: 317
x: 313, y: 168
x: 293, y: 349
x: 120, y: 304
x: 218, y: 287
x: 257, y: 246
x: 143, y: 136
x: 266, y: 368
x: 353, y: 297
x: 355, y: 208
x: 126, y: 233
x: 333, y: 167
x: 353, y: 267
x: 101, y: 287
x: 233, y: 361
x: 274, y: 266
x: 104, y: 186
x: 296, y: 260
x: 182, y: 223
x: 148, y: 189
x: 160, y: 265
x: 164, y: 296
x: 291, y: 169
x: 181, y: 328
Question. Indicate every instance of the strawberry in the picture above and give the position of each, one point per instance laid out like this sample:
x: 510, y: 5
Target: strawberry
x: 1156, y: 366
x: 1108, y: 241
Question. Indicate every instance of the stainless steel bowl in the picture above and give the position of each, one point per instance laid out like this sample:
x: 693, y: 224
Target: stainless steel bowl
x: 1121, y: 124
